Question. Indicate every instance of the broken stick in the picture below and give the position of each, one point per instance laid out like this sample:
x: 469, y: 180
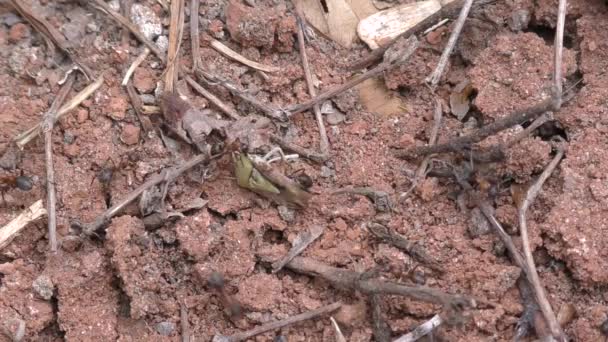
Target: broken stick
x: 49, y: 119
x: 539, y: 291
x: 166, y: 175
x: 397, y: 56
x: 11, y: 229
x: 278, y: 324
x: 423, y: 329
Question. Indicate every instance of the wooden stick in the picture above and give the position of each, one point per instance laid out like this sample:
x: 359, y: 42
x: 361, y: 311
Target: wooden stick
x: 25, y: 137
x: 49, y: 120
x: 422, y: 330
x: 279, y: 324
x: 136, y: 62
x: 166, y: 175
x: 120, y: 19
x: 433, y: 80
x: 176, y: 29
x: 194, y: 34
x: 231, y: 113
x: 410, y: 47
x: 558, y: 53
x: 11, y: 229
x: 539, y: 291
x: 228, y: 52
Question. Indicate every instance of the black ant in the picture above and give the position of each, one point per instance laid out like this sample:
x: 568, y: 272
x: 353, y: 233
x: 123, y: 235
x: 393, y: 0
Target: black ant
x: 23, y: 183
x: 104, y: 176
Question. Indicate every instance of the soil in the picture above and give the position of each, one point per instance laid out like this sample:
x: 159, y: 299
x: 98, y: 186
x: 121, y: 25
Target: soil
x: 131, y: 283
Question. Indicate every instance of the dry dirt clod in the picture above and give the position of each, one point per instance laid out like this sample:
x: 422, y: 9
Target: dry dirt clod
x: 43, y: 287
x: 165, y: 328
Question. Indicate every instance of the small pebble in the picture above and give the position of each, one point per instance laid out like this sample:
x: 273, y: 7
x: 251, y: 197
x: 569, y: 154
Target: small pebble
x: 146, y: 20
x: 147, y: 99
x: 24, y: 183
x: 215, y: 280
x: 478, y: 224
x: 288, y: 215
x: 519, y: 20
x: 335, y: 118
x: 165, y: 328
x: 604, y: 327
x: 43, y: 287
x: 68, y: 138
x: 163, y: 43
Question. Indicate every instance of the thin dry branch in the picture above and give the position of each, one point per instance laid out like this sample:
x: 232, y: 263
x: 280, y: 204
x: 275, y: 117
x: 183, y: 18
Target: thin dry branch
x: 399, y: 54
x: 228, y: 52
x: 342, y: 278
x: 49, y: 120
x: 51, y: 35
x: 25, y: 137
x: 120, y: 19
x: 279, y: 324
x: 176, y: 28
x: 136, y: 102
x: 421, y: 171
x: 166, y: 175
x: 136, y: 62
x: 11, y: 229
x: 433, y: 80
x: 194, y: 33
x: 558, y: 54
x: 422, y: 330
x: 231, y: 113
x: 539, y: 291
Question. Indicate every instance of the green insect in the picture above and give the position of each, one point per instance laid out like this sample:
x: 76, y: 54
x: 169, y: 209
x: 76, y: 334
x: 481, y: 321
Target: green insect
x: 259, y: 177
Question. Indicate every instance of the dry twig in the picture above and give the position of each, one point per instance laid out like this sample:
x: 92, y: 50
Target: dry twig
x: 183, y: 318
x: 228, y: 52
x: 337, y: 331
x: 25, y: 137
x: 145, y: 122
x: 194, y: 34
x: 136, y: 62
x: 422, y: 330
x: 231, y: 113
x: 539, y: 291
x: 49, y: 120
x: 433, y: 80
x: 278, y: 324
x: 11, y: 229
x: 300, y: 243
x: 381, y: 329
x: 166, y: 175
x: 342, y: 278
x: 176, y: 29
x: 51, y: 35
x: 397, y: 56
x: 119, y: 18
x: 558, y: 54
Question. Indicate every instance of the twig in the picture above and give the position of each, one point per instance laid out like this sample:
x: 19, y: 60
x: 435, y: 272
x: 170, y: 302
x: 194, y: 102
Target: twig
x: 541, y: 296
x: 166, y: 175
x: 337, y: 331
x: 422, y: 330
x: 176, y: 29
x: 342, y: 278
x: 559, y: 47
x: 461, y: 143
x: 408, y: 50
x: 51, y: 35
x: 300, y: 243
x: 183, y: 318
x: 231, y: 113
x: 279, y: 324
x: 136, y: 62
x: 268, y: 109
x: 323, y: 155
x: 119, y: 18
x: 194, y: 34
x: 125, y: 10
x: 11, y: 229
x: 228, y: 52
x: 433, y: 80
x: 137, y: 107
x: 381, y: 329
x: 49, y: 119
x: 399, y: 241
x: 450, y: 10
x: 22, y: 139
x: 421, y: 172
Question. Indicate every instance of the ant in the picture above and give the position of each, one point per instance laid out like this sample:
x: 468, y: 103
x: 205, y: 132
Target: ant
x: 104, y: 176
x: 23, y: 183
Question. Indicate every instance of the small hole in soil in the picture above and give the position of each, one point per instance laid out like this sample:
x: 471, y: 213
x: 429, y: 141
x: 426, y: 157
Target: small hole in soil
x: 551, y: 129
x: 273, y: 236
x: 548, y: 34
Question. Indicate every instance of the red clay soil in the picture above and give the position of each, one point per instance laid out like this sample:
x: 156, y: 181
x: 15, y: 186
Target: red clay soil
x: 131, y: 283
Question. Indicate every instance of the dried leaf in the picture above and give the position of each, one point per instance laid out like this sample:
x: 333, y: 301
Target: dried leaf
x: 314, y: 14
x: 362, y: 8
x: 460, y: 99
x: 341, y: 22
x: 566, y: 314
x: 376, y: 98
x: 382, y: 27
